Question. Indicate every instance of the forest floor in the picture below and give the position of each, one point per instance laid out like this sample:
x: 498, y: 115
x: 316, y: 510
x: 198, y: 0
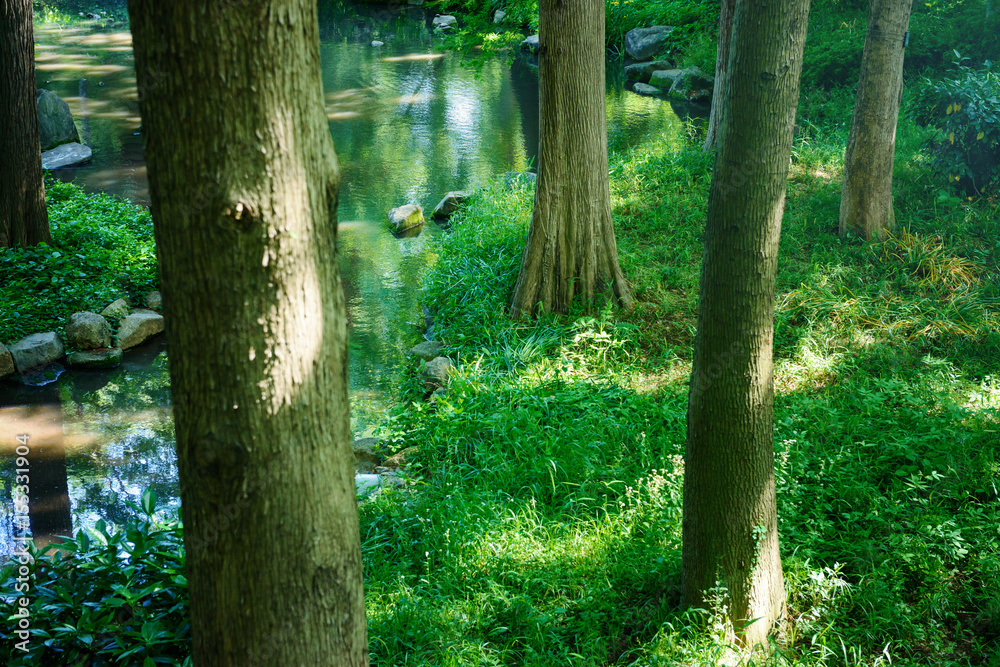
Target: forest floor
x: 545, y: 525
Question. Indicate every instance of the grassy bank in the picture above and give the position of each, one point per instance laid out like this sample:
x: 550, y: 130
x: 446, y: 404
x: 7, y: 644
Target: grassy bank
x: 546, y: 527
x: 102, y: 249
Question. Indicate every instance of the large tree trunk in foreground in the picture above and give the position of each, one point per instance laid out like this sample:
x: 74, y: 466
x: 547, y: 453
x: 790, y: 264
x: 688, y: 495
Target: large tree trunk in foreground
x: 866, y: 200
x: 721, y: 66
x: 24, y: 219
x: 571, y: 250
x: 243, y: 181
x: 730, y: 517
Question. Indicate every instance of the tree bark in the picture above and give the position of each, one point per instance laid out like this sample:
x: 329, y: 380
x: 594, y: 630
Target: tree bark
x: 243, y: 180
x: 730, y: 532
x: 721, y: 67
x: 866, y: 199
x: 24, y: 220
x: 571, y: 250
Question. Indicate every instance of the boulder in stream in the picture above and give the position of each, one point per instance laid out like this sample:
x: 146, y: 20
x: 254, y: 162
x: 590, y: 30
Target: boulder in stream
x: 642, y: 71
x: 444, y: 22
x: 66, y: 155
x: 693, y: 85
x: 646, y: 89
x: 137, y: 327
x: 55, y: 122
x: 405, y: 218
x: 664, y: 78
x: 643, y: 43
x: 87, y: 331
x: 530, y: 43
x: 365, y: 458
x: 449, y: 204
x: 36, y: 350
x: 6, y: 361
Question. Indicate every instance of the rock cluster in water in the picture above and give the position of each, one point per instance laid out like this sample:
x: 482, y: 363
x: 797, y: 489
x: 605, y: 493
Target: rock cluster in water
x: 659, y: 77
x: 89, y: 336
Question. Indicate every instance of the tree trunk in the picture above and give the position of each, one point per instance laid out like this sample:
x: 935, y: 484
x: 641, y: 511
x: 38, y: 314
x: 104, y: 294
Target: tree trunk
x: 243, y: 189
x: 866, y: 200
x: 24, y: 219
x: 730, y: 519
x: 571, y: 250
x: 721, y: 67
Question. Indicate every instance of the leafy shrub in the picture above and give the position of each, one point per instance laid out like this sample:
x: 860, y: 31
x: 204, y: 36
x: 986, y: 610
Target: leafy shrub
x: 966, y: 111
x: 834, y: 46
x: 102, y: 249
x: 939, y: 27
x: 105, y: 597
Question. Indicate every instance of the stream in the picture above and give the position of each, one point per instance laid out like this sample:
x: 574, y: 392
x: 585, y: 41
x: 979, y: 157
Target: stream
x: 409, y: 123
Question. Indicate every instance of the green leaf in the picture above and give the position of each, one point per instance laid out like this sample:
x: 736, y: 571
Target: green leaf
x: 149, y: 502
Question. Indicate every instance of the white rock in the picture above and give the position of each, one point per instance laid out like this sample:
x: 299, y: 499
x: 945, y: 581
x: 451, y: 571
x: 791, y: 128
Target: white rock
x: 66, y: 155
x: 137, y: 327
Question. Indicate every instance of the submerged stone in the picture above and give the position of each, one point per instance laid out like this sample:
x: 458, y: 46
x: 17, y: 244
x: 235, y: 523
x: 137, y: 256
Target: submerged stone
x: 108, y: 357
x: 646, y: 89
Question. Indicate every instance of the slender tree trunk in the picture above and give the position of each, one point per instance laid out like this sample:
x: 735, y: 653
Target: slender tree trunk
x: 24, y: 219
x: 571, y: 250
x: 730, y: 518
x: 866, y: 200
x: 243, y: 180
x: 721, y: 67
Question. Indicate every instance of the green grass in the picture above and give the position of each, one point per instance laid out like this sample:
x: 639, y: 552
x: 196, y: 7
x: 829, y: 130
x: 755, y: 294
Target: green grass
x: 545, y: 529
x: 102, y: 249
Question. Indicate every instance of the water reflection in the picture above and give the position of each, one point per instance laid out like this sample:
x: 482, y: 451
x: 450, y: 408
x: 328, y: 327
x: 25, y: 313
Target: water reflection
x: 409, y: 123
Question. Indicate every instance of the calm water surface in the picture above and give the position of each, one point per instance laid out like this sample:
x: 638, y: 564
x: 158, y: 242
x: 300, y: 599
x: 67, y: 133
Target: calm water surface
x: 409, y: 123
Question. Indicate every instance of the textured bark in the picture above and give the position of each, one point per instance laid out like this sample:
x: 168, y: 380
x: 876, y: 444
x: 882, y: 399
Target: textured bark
x: 730, y: 516
x: 721, y: 67
x: 571, y: 250
x: 243, y: 180
x: 24, y: 219
x: 866, y: 199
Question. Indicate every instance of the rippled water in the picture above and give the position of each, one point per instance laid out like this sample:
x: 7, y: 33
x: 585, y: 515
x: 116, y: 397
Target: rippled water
x: 409, y: 123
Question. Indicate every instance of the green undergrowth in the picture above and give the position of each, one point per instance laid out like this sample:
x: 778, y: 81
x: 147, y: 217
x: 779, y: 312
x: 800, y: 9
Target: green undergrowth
x: 545, y: 525
x: 102, y: 249
x: 105, y: 597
